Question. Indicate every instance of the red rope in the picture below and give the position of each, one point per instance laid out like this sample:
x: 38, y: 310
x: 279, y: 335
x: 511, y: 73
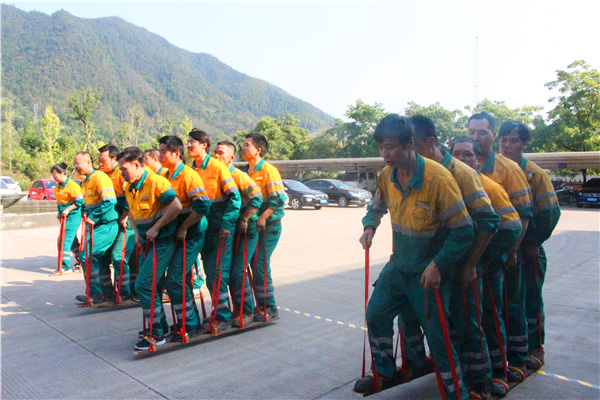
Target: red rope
x: 438, y: 375
x: 88, y: 265
x: 216, y: 291
x: 537, y: 281
x: 478, y: 316
x: 82, y: 233
x: 497, y: 327
x: 364, y: 361
x: 255, y: 289
x: 150, y: 338
x: 61, y: 243
x: 243, y: 282
x: 184, y: 338
x: 118, y: 299
x: 265, y: 278
x: 447, y: 341
x: 506, y: 315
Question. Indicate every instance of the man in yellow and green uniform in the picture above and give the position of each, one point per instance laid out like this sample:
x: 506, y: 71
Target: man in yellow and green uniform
x: 191, y: 227
x: 101, y: 219
x: 505, y: 172
x: 153, y: 210
x: 493, y: 260
x: 224, y: 212
x: 152, y: 160
x: 246, y: 233
x: 268, y: 225
x: 69, y: 202
x: 465, y: 305
x: 431, y: 232
x: 514, y: 137
x: 107, y: 161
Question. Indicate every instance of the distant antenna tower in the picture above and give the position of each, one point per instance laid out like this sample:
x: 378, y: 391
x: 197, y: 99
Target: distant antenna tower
x: 476, y: 74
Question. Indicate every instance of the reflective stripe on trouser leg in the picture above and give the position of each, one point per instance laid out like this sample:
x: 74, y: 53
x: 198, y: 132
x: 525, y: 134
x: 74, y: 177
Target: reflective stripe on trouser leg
x: 174, y: 280
x: 414, y: 344
x: 116, y: 255
x: 209, y: 262
x: 104, y: 237
x: 474, y: 360
x: 271, y: 235
x: 237, y: 272
x: 517, y: 319
x: 143, y: 284
x: 493, y: 284
x: 534, y: 303
x: 72, y: 225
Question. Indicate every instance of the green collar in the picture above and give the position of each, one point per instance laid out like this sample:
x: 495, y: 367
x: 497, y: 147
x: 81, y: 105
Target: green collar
x: 417, y: 178
x: 523, y: 164
x: 139, y: 183
x: 63, y: 185
x: 88, y: 177
x: 176, y: 172
x: 489, y: 163
x: 159, y: 171
x: 447, y: 158
x: 231, y: 168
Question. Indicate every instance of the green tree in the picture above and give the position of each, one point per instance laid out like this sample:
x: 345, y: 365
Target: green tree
x: 450, y: 124
x: 324, y: 145
x: 356, y: 136
x: 8, y: 133
x: 129, y: 132
x: 50, y: 133
x: 82, y: 103
x: 185, y: 127
x: 575, y: 119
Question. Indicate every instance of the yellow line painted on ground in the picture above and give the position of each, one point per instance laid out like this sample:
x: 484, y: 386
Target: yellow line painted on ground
x: 305, y: 314
x: 340, y: 323
x: 296, y: 312
x: 328, y: 320
x: 317, y: 317
x: 564, y: 378
x: 584, y: 383
x: 352, y: 325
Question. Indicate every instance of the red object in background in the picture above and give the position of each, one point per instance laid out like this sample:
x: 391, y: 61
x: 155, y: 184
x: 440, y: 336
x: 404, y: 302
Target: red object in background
x: 42, y: 189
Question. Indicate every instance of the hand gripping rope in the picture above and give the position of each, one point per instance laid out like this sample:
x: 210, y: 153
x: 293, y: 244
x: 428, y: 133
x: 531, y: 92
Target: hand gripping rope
x: 184, y: 337
x: 497, y: 328
x: 242, y: 325
x: 61, y: 243
x: 118, y: 297
x: 213, y: 328
x: 88, y: 265
x: 149, y: 337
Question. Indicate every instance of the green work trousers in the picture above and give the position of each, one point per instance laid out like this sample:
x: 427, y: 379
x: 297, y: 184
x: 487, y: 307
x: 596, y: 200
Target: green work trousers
x: 213, y: 268
x: 71, y: 226
x: 245, y: 246
x: 394, y: 292
x: 267, y: 241
x: 125, y: 241
x: 493, y: 317
x: 515, y: 315
x: 534, y: 271
x: 104, y: 237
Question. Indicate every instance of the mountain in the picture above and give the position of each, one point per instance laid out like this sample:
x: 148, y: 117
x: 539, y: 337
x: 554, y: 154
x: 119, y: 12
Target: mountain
x: 46, y: 57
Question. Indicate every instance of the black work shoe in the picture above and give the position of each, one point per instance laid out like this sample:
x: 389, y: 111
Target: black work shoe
x: 176, y: 337
x: 366, y: 385
x: 219, y: 326
x: 536, y: 359
x: 247, y: 319
x: 498, y: 387
x: 479, y: 391
x: 144, y: 344
x: 82, y: 298
x: 515, y: 374
x: 272, y: 313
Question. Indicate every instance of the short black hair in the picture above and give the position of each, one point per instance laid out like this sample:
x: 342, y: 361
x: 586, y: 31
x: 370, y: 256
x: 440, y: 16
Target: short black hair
x: 260, y: 142
x: 173, y: 144
x: 113, y: 150
x: 394, y: 126
x: 201, y: 137
x: 154, y: 153
x: 84, y: 153
x: 466, y: 139
x: 423, y: 127
x: 483, y: 115
x: 521, y: 129
x: 228, y: 144
x: 61, y: 168
x: 131, y: 154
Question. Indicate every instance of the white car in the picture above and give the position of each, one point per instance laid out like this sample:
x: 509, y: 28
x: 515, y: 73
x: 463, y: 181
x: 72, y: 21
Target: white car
x: 10, y: 184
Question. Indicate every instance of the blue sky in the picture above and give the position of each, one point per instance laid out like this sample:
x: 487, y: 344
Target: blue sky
x: 333, y: 53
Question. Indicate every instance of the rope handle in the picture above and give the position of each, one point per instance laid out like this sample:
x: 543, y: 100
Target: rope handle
x: 242, y: 324
x: 212, y: 326
x: 88, y: 265
x: 497, y: 327
x: 61, y: 243
x: 184, y: 336
x: 118, y: 296
x: 150, y: 338
x: 440, y: 310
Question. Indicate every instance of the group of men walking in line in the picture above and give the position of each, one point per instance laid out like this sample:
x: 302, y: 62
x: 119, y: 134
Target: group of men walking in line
x: 153, y: 211
x: 468, y: 264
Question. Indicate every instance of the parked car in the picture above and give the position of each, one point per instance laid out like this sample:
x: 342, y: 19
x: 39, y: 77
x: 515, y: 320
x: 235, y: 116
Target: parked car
x: 589, y: 193
x: 42, y: 189
x: 564, y: 193
x: 11, y: 184
x: 361, y: 180
x: 300, y: 195
x: 5, y: 190
x: 340, y: 192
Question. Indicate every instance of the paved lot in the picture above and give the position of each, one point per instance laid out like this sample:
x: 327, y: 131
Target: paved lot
x: 50, y: 349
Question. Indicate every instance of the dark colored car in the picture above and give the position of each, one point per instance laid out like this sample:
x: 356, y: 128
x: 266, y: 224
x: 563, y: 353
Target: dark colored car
x: 42, y: 189
x: 340, y: 192
x: 565, y: 193
x: 300, y: 195
x: 589, y: 193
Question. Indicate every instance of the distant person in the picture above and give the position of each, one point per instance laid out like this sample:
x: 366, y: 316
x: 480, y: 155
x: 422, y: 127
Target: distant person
x: 191, y: 227
x: 69, y: 201
x: 152, y: 160
x: 224, y: 212
x: 505, y: 172
x: 431, y: 232
x: 514, y: 137
x: 246, y: 235
x: 268, y: 225
x: 153, y: 210
x: 493, y: 260
x: 101, y: 223
x: 107, y: 161
x: 465, y: 305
